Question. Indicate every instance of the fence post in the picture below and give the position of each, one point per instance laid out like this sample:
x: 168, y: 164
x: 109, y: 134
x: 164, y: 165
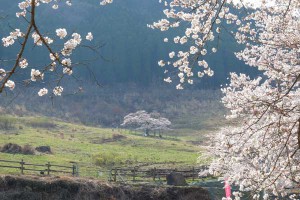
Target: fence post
x: 22, y: 166
x: 110, y: 175
x: 154, y: 173
x: 48, y: 168
x: 133, y: 174
x: 73, y: 170
x: 115, y: 175
x: 193, y: 173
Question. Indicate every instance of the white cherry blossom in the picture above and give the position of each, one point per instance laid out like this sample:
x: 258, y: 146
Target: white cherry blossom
x: 43, y: 92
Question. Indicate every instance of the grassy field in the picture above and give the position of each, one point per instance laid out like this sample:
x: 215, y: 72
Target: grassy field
x: 88, y: 145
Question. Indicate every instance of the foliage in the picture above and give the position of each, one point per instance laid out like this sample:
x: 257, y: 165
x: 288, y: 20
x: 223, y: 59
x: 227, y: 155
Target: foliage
x: 109, y: 159
x: 6, y: 123
x: 262, y: 152
x: 146, y: 121
x: 41, y: 123
x: 28, y: 150
x: 108, y: 106
x: 17, y: 149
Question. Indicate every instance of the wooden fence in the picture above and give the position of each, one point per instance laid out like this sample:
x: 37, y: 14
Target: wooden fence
x: 116, y: 174
x: 146, y: 175
x: 43, y: 169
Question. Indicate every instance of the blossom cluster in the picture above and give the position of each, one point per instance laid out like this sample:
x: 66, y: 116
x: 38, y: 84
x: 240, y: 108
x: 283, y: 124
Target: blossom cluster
x: 58, y: 57
x: 105, y: 2
x: 261, y: 153
x: 204, y: 20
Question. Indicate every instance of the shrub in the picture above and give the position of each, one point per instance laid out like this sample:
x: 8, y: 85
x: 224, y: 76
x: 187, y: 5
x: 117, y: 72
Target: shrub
x: 6, y: 124
x: 17, y: 149
x: 44, y: 149
x: 42, y: 123
x: 11, y: 148
x: 28, y: 150
x: 109, y: 159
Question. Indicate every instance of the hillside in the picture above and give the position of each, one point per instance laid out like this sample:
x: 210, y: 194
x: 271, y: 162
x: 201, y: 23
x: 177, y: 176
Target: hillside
x: 106, y: 106
x: 130, y: 50
x: 88, y: 145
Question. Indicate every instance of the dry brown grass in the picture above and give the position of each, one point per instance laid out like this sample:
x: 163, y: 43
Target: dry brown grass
x: 62, y: 187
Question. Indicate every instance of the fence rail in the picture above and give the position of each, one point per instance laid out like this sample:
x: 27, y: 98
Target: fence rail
x: 46, y: 168
x: 115, y: 174
x: 135, y: 174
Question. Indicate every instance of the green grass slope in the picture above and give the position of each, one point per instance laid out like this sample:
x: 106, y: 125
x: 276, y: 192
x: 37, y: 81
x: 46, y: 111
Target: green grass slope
x: 88, y: 145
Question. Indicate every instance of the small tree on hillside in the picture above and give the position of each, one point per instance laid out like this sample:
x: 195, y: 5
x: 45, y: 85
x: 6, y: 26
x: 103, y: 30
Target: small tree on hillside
x: 147, y: 122
x: 161, y: 123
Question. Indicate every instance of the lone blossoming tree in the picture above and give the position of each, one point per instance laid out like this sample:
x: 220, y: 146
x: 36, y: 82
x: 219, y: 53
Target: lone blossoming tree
x: 142, y: 120
x: 59, y: 64
x: 262, y: 152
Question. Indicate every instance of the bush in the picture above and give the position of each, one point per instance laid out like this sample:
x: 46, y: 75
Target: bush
x: 11, y: 148
x: 42, y: 123
x: 109, y: 159
x: 28, y: 150
x: 17, y: 149
x: 44, y: 149
x: 6, y: 124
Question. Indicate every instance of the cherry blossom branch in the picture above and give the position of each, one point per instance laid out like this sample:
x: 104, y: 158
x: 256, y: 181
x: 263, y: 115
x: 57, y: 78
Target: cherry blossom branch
x: 20, y: 54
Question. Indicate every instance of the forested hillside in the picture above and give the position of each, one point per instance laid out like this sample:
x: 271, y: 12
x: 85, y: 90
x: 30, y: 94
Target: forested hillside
x: 130, y: 51
x: 125, y: 66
